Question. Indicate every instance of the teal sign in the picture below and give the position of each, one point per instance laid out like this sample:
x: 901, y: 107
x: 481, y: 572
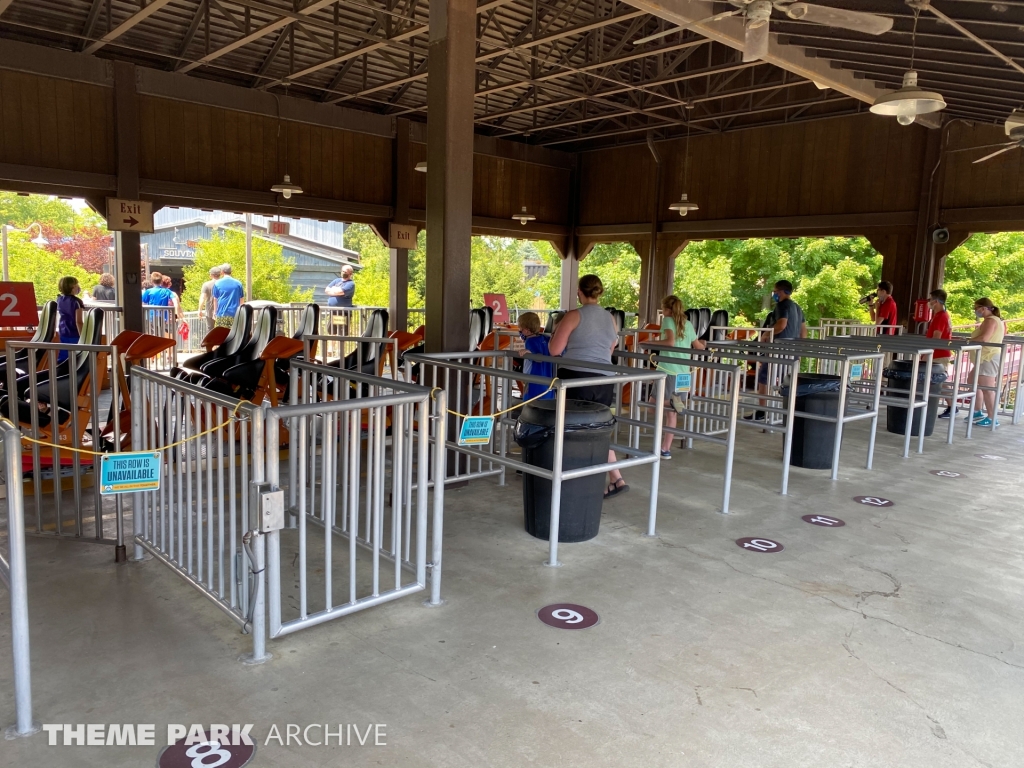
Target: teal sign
x: 476, y: 430
x: 129, y: 472
x: 682, y: 383
x: 856, y: 372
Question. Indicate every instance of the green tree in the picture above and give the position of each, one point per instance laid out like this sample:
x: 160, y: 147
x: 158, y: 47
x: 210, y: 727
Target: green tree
x: 44, y: 269
x: 986, y: 265
x: 271, y: 270
x: 834, y: 292
x: 22, y: 210
x: 618, y: 266
x: 702, y: 283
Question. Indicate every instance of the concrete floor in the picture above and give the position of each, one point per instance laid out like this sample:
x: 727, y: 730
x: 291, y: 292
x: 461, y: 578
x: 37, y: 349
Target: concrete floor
x: 889, y: 642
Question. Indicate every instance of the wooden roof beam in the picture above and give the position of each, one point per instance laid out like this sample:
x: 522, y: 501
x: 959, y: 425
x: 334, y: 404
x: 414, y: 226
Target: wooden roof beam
x: 731, y: 32
x: 132, y: 21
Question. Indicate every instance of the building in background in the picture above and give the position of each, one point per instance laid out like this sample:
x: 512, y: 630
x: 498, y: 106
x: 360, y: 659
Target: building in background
x: 315, y: 247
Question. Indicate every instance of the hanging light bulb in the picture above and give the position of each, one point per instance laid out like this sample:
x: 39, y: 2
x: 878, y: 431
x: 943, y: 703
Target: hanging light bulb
x: 421, y: 166
x: 41, y: 241
x: 910, y: 100
x: 524, y: 217
x: 684, y: 206
x: 286, y: 189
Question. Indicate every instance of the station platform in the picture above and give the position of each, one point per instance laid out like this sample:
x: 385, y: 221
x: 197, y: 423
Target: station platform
x: 891, y: 640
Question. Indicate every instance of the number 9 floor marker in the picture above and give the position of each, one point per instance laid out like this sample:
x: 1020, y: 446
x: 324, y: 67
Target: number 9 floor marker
x: 568, y: 616
x: 759, y: 545
x: 211, y: 753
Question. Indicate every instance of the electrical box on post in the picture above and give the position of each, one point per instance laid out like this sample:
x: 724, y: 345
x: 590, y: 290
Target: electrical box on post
x: 271, y: 509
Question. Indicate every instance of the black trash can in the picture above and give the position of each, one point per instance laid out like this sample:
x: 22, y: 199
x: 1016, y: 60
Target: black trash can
x: 898, y: 376
x: 588, y: 430
x: 813, y: 440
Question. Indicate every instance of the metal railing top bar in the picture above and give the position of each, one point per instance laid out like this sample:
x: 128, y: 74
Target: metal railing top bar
x: 225, y: 401
x: 362, y: 378
x: 757, y: 351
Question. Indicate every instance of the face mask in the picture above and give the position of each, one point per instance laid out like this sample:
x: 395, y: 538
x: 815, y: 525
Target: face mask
x: 978, y: 314
x: 775, y: 296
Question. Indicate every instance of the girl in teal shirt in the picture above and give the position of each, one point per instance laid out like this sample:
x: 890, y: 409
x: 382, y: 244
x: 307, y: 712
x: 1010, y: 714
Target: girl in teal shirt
x: 671, y: 336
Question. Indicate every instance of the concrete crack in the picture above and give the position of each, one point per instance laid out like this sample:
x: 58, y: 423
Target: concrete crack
x: 864, y: 615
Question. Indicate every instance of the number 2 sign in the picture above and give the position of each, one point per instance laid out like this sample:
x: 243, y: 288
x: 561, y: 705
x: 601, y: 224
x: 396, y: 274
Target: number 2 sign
x: 18, y: 305
x: 497, y: 302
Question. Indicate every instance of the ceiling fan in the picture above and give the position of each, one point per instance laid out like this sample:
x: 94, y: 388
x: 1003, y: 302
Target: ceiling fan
x: 1014, y: 127
x: 757, y: 13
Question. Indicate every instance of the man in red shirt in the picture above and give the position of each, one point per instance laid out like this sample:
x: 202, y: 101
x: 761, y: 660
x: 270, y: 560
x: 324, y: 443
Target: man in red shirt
x: 883, y: 309
x: 940, y: 327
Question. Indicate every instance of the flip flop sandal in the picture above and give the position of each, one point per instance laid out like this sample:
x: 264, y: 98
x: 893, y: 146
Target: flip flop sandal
x: 615, y: 490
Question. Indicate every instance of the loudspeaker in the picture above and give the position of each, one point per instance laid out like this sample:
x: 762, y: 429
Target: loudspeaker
x: 940, y: 236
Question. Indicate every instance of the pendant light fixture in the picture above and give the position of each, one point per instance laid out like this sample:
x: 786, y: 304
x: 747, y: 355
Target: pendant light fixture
x: 524, y: 217
x: 908, y: 102
x: 684, y: 206
x: 421, y: 166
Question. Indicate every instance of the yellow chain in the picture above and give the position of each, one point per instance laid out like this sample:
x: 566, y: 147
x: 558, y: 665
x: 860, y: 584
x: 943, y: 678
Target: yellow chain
x: 550, y: 388
x: 234, y: 418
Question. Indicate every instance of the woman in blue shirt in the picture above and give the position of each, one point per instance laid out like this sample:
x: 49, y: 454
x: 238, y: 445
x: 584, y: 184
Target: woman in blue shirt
x: 69, y: 311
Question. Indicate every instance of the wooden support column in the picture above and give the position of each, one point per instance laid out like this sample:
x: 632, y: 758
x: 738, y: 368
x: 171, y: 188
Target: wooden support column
x: 128, y: 244
x: 450, y: 93
x: 898, y: 263
x: 925, y: 257
x: 573, y: 254
x: 657, y: 274
x: 649, y: 301
x: 398, y: 304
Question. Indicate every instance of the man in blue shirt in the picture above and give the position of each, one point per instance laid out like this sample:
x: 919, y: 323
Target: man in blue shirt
x: 228, y: 295
x: 341, y: 290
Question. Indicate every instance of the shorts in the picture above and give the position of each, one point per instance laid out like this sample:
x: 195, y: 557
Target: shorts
x: 670, y: 386
x: 603, y: 394
x: 989, y: 368
x: 762, y: 373
x: 225, y: 321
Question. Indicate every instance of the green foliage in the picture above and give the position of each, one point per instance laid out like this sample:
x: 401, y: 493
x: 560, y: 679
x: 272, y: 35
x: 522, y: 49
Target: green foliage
x: 618, y: 266
x: 271, y: 270
x: 738, y: 275
x: 986, y: 265
x: 496, y: 267
x: 43, y: 268
x: 22, y: 210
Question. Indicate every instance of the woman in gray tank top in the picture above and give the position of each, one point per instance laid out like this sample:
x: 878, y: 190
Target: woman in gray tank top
x: 588, y: 335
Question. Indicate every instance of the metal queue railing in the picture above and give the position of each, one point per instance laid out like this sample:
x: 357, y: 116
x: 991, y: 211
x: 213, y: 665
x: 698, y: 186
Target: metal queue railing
x: 961, y: 388
x: 64, y: 426
x: 860, y: 385
x: 920, y: 357
x: 204, y: 521
x: 837, y: 327
x: 708, y: 413
x: 784, y: 364
x: 14, y: 574
x: 487, y: 389
x: 358, y: 471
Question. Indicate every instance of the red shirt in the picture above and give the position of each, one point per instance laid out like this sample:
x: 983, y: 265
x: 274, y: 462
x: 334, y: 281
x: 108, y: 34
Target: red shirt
x: 940, y: 322
x: 885, y: 314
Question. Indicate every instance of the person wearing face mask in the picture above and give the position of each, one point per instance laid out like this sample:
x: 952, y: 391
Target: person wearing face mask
x: 535, y: 343
x: 788, y: 323
x: 883, y: 309
x: 990, y: 330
